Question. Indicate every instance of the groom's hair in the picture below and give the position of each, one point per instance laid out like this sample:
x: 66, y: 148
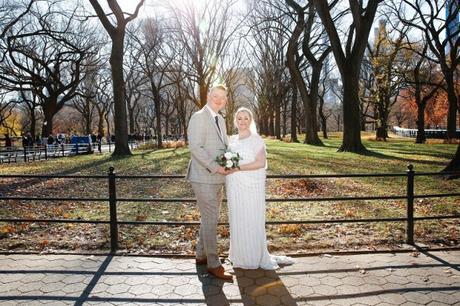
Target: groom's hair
x: 218, y: 86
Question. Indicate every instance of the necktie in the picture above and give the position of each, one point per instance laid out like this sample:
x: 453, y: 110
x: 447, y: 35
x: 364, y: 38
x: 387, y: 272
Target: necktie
x: 217, y: 123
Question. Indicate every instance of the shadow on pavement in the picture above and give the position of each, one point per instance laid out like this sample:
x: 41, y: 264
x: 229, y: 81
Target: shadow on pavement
x: 262, y: 287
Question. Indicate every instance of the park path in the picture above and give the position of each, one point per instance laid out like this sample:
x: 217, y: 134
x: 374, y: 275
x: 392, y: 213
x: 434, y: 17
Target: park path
x: 427, y: 278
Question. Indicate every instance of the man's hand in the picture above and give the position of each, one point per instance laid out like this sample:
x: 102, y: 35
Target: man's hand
x: 224, y: 171
x: 221, y: 170
x: 230, y: 171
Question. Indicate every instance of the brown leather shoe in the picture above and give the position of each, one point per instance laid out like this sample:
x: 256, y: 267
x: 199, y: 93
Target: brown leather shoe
x: 201, y: 261
x: 219, y: 272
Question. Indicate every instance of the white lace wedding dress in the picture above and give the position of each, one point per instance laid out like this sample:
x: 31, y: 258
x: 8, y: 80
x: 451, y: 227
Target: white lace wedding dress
x: 246, y: 210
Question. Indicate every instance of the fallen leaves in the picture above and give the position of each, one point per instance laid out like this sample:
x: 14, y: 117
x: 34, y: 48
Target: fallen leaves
x: 297, y: 188
x: 7, y: 229
x: 292, y: 229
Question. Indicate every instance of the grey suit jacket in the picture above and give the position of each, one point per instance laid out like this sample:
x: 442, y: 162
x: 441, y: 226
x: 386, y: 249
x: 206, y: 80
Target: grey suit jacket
x: 205, y: 144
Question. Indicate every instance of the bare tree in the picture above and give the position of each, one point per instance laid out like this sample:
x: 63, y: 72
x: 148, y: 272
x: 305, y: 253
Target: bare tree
x: 267, y: 49
x: 179, y: 92
x: 85, y: 102
x: 422, y: 82
x: 117, y: 34
x: 11, y: 12
x: 388, y: 68
x: 29, y: 102
x: 442, y: 35
x: 45, y: 55
x: 315, y: 52
x: 155, y: 54
x: 325, y: 110
x: 6, y: 109
x: 135, y: 78
x: 348, y: 57
x: 205, y: 36
x: 104, y: 99
x: 237, y: 78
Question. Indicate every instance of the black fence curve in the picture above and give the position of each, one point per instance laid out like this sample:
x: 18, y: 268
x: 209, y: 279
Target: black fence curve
x: 112, y: 200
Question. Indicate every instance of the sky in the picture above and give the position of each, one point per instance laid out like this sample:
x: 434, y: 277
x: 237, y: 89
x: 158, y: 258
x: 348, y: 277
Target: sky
x: 151, y: 7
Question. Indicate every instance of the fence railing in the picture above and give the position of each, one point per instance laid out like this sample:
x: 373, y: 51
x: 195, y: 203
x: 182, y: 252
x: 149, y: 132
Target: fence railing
x: 45, y: 152
x: 113, y: 200
x: 429, y: 133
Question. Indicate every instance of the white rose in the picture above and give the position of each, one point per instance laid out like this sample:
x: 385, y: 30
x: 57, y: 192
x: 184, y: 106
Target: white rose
x: 229, y: 164
x: 234, y: 155
x: 228, y: 155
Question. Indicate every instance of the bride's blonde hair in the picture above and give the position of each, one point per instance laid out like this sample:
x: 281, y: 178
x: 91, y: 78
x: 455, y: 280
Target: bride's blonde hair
x: 252, y: 125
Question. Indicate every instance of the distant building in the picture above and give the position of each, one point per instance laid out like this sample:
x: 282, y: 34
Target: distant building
x: 452, y: 22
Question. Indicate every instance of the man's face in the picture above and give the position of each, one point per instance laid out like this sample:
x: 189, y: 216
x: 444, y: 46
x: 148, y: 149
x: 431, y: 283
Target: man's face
x: 217, y: 99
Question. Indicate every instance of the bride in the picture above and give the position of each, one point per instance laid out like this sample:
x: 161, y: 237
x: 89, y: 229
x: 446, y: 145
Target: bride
x: 246, y: 199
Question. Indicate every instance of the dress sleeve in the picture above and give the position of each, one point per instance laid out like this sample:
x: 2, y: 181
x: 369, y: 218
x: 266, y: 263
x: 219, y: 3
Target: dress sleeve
x: 258, y: 144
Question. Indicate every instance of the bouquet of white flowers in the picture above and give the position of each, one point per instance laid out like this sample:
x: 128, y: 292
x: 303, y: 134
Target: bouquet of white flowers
x: 229, y: 159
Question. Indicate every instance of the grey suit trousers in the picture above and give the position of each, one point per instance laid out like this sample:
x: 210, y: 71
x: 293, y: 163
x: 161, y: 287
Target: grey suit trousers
x: 208, y: 199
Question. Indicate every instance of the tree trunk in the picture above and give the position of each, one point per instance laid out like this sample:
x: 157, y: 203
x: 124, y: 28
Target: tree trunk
x: 322, y: 117
x: 452, y: 99
x: 311, y: 123
x: 362, y: 121
x: 107, y: 122
x: 132, y: 121
x: 185, y: 133
x: 100, y: 124
x: 47, y: 126
x: 156, y: 101
x: 382, y: 119
x: 33, y: 123
x: 421, y: 138
x: 264, y: 125
x: 271, y: 121
x: 49, y: 110
x: 284, y: 110
x: 278, y: 117
x: 88, y: 124
x: 351, y: 114
x: 294, y: 114
x: 120, y: 118
x: 381, y: 133
x: 452, y: 113
x: 167, y: 132
x: 454, y: 164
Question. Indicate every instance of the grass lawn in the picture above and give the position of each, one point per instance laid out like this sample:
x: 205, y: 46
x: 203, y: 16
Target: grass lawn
x: 392, y: 156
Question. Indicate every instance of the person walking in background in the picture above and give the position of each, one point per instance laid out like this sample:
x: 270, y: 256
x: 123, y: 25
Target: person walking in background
x: 8, y: 142
x: 99, y: 142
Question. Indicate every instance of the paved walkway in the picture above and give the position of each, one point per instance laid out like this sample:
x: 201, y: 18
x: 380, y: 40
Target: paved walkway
x: 377, y: 279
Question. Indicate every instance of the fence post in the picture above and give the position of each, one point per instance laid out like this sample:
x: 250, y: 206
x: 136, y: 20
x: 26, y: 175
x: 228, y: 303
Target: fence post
x: 46, y: 152
x: 113, y: 212
x: 410, y: 205
x: 25, y: 154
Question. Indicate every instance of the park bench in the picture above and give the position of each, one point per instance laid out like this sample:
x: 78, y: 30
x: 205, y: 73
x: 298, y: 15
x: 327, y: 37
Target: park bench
x: 53, y: 150
x: 32, y: 153
x: 8, y: 156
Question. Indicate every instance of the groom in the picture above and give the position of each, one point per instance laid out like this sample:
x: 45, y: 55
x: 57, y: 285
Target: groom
x: 207, y: 137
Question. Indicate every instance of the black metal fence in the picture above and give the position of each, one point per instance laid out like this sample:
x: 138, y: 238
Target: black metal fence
x: 113, y: 200
x: 45, y: 152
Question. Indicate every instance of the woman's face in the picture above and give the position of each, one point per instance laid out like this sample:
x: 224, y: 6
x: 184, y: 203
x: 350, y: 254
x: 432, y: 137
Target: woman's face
x: 243, y: 121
